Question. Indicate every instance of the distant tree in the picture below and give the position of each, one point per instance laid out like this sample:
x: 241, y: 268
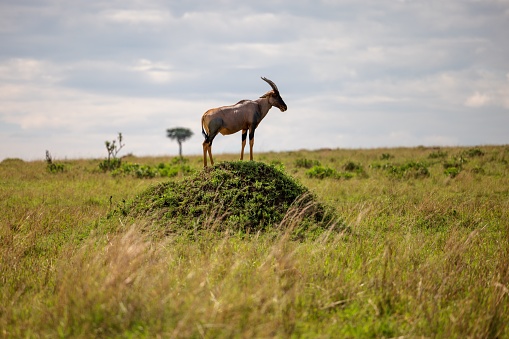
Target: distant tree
x: 112, y: 162
x: 112, y: 148
x: 180, y: 134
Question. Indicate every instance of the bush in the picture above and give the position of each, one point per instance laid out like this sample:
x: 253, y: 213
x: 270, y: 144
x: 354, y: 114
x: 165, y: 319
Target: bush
x: 454, y: 166
x: 321, y: 172
x: 452, y: 171
x: 437, y: 155
x: 110, y: 164
x: 473, y: 152
x: 52, y: 166
x: 306, y: 163
x: 354, y: 167
x: 161, y: 170
x: 407, y: 170
x: 136, y: 170
x: 351, y: 170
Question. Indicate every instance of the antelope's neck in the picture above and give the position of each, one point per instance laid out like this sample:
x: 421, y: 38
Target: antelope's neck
x: 265, y: 106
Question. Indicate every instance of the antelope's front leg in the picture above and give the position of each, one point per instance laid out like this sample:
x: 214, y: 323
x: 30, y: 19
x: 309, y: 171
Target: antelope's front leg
x: 251, y: 143
x: 244, y: 136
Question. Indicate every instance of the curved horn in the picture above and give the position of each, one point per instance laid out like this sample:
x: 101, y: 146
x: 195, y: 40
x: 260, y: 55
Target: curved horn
x: 271, y: 83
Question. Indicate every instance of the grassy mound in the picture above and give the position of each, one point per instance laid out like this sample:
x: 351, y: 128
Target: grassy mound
x: 247, y: 196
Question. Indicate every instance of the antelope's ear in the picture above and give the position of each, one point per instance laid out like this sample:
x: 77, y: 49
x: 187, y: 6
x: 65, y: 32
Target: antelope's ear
x: 268, y: 94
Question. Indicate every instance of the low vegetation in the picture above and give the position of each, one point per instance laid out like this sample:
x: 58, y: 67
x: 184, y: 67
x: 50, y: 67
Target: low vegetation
x: 409, y: 249
x: 142, y: 171
x: 52, y: 166
x: 240, y: 196
x: 112, y: 162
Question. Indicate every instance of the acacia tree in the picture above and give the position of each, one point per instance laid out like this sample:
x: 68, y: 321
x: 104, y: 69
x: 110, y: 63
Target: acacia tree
x: 180, y: 134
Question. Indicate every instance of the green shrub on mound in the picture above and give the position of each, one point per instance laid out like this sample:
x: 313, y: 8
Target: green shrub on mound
x: 242, y: 196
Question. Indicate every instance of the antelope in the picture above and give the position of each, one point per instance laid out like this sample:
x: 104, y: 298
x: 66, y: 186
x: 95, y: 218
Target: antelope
x: 244, y: 116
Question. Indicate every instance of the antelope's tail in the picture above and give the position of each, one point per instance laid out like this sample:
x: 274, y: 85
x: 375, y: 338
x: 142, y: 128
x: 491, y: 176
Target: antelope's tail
x: 205, y: 135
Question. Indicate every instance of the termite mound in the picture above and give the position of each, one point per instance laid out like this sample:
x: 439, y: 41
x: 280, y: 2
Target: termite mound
x: 240, y: 196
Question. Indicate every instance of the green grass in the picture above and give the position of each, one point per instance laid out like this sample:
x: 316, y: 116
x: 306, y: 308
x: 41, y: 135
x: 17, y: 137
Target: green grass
x: 425, y: 250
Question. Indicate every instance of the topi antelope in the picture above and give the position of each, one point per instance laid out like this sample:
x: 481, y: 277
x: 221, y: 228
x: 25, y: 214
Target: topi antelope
x: 243, y: 116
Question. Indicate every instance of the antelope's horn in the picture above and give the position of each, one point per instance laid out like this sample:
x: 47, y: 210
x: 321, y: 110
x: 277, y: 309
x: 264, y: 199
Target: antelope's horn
x: 271, y: 83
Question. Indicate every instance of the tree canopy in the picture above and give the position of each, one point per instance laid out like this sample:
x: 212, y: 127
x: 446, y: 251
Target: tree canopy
x: 180, y: 134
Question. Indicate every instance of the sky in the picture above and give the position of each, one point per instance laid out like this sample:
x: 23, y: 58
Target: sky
x: 353, y: 73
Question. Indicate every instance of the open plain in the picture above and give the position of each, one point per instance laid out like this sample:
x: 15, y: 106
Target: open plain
x: 419, y: 247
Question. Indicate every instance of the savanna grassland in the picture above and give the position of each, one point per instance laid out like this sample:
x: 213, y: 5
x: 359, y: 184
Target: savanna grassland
x: 417, y: 245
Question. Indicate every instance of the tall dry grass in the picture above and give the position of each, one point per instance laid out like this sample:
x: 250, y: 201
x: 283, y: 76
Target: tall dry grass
x: 420, y: 258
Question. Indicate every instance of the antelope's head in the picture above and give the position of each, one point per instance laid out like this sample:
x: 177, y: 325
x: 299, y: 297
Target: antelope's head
x: 274, y: 97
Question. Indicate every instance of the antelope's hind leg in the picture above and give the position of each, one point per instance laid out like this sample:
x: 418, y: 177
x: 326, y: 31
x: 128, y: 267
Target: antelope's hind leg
x: 210, y: 154
x: 213, y: 127
x: 205, y: 146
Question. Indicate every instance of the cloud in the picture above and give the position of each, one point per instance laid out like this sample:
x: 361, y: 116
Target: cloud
x: 477, y: 100
x: 158, y: 72
x: 137, y: 17
x: 19, y: 70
